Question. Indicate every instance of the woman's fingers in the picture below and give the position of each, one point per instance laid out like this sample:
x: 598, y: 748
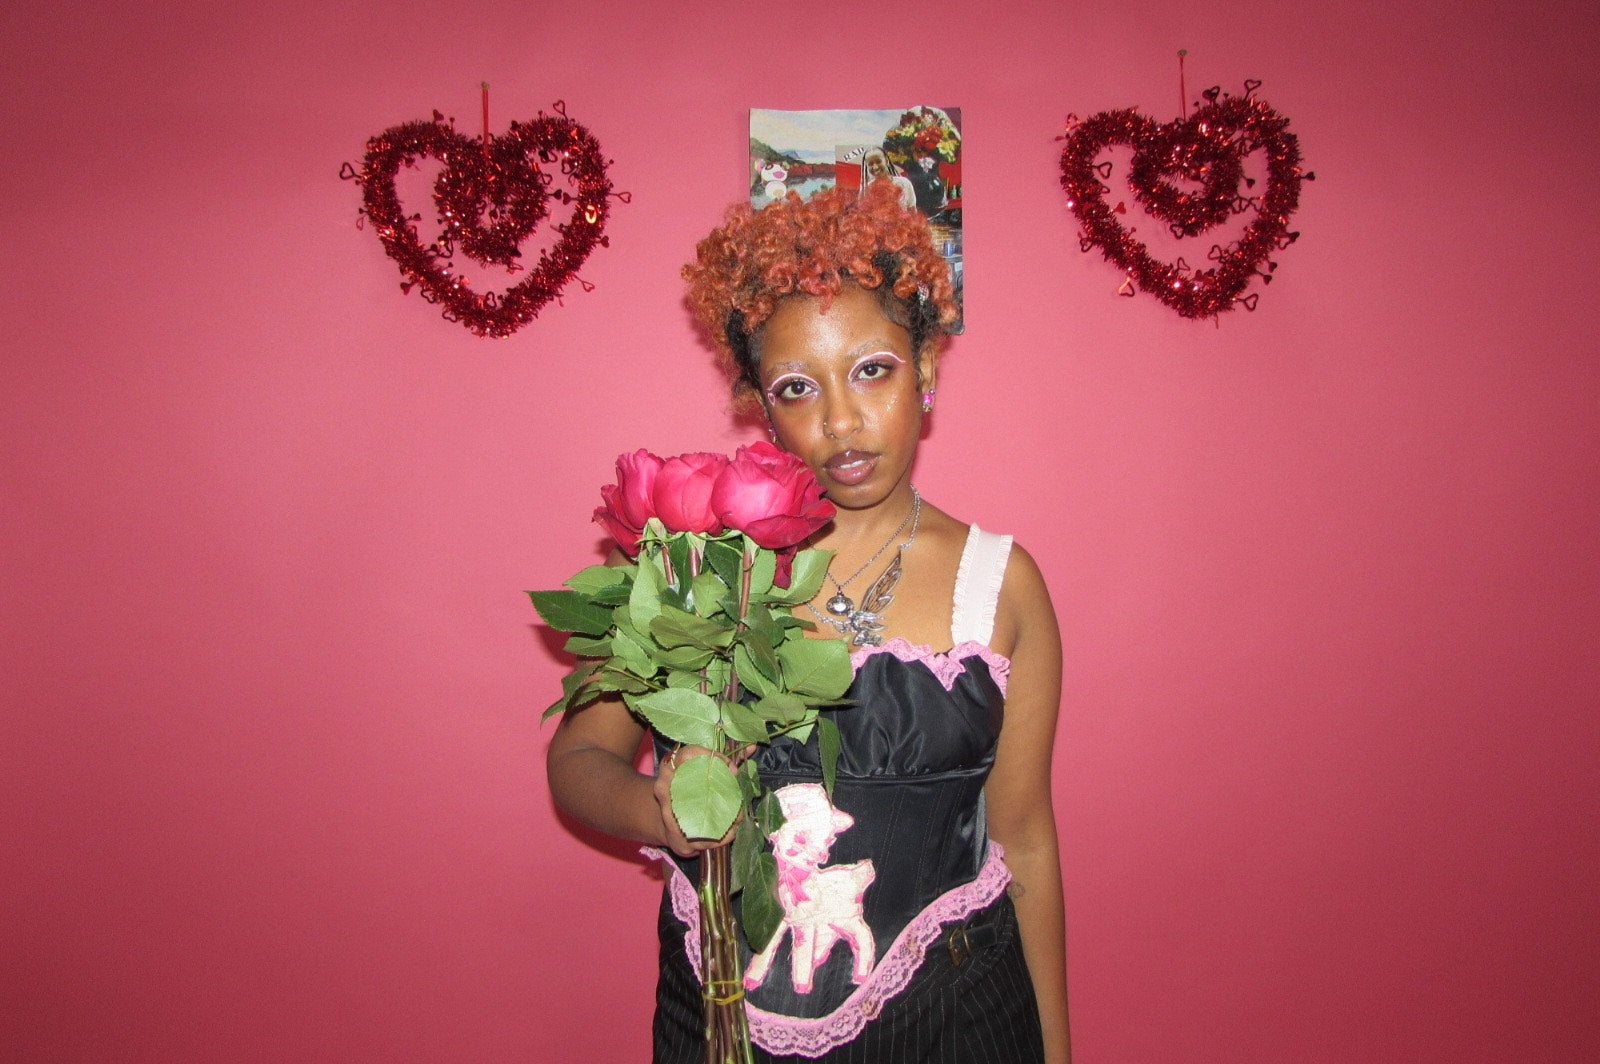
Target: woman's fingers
x: 676, y: 840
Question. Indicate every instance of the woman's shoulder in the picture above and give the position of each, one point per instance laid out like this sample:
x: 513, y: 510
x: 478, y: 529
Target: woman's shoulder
x: 1023, y: 609
x: 954, y: 538
x: 1025, y: 613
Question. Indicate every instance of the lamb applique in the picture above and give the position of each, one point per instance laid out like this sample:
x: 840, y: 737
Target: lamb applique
x: 820, y: 905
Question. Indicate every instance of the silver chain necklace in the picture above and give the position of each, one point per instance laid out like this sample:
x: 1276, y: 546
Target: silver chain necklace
x: 864, y: 625
x: 840, y: 605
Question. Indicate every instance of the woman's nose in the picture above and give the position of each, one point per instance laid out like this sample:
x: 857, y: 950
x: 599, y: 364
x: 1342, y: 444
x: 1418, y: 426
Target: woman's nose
x: 840, y: 417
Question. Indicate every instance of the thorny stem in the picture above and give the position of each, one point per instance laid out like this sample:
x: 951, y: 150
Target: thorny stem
x: 722, y: 990
x: 727, y: 1028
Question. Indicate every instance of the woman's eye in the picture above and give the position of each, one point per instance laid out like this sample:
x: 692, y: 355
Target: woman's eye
x: 790, y: 389
x: 874, y: 371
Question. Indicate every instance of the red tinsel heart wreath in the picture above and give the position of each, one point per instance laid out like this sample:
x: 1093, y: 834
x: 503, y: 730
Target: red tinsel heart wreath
x: 490, y: 197
x: 1208, y: 148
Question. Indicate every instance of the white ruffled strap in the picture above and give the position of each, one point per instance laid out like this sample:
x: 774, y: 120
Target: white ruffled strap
x: 978, y: 580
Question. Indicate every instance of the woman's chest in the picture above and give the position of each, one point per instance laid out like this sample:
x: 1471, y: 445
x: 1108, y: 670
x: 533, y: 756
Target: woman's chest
x: 912, y: 712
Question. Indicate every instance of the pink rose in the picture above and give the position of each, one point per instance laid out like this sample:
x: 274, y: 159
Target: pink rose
x: 628, y: 502
x: 682, y: 492
x: 770, y: 496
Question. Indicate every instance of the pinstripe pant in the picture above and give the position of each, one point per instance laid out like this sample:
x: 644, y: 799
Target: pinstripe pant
x: 980, y: 1011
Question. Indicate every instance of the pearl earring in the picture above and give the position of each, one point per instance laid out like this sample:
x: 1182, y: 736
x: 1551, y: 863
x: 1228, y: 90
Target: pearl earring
x: 927, y: 400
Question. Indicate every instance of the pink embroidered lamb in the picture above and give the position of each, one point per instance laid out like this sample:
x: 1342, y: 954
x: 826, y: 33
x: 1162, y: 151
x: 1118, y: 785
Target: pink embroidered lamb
x: 820, y: 905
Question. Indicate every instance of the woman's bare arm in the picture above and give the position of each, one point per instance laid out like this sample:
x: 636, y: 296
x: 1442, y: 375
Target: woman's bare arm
x: 591, y: 773
x: 1021, y: 816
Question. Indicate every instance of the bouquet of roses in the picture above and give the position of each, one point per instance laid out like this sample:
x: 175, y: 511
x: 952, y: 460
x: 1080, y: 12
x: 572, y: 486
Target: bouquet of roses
x: 697, y: 636
x: 923, y: 131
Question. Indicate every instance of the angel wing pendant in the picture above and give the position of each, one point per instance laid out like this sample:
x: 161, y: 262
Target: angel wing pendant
x: 864, y: 625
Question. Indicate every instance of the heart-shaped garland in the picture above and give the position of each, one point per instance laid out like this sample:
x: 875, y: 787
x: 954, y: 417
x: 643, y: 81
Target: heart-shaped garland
x: 501, y: 179
x: 1209, y: 148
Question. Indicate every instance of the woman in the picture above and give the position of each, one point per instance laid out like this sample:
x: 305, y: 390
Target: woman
x: 875, y: 166
x: 906, y: 936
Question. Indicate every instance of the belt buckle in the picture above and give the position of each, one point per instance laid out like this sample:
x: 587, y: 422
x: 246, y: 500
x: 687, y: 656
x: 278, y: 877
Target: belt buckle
x: 960, y: 946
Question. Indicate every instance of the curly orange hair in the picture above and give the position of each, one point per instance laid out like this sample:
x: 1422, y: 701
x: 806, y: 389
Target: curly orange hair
x: 757, y: 258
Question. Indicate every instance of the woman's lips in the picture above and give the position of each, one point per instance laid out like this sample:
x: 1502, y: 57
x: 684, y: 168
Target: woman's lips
x: 851, y: 467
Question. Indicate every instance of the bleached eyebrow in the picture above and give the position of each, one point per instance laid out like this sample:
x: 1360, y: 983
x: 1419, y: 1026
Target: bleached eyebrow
x: 879, y: 346
x: 882, y: 352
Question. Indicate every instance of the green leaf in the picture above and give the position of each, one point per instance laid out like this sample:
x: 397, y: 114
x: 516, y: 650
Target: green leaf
x: 761, y: 654
x: 743, y: 724
x: 671, y: 596
x: 760, y: 621
x: 674, y: 628
x: 622, y: 621
x: 769, y: 814
x: 684, y: 716
x: 801, y: 733
x: 762, y: 570
x: 760, y: 912
x: 586, y: 646
x: 724, y: 560
x: 717, y: 674
x: 750, y: 677
x: 705, y: 797
x: 750, y: 780
x: 596, y: 577
x: 746, y: 849
x: 644, y: 602
x: 808, y: 574
x: 686, y: 658
x: 632, y: 654
x: 805, y: 579
x: 573, y: 686
x: 828, y: 747
x: 612, y: 678
x: 708, y: 592
x: 678, y: 549
x: 830, y: 703
x: 690, y: 678
x: 819, y: 667
x: 568, y: 611
x: 615, y: 594
x: 781, y: 708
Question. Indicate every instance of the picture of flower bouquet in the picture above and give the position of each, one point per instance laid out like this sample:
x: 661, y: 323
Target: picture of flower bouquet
x: 923, y: 131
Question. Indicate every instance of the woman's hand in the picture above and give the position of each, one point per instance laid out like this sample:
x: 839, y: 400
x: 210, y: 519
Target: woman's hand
x: 677, y: 841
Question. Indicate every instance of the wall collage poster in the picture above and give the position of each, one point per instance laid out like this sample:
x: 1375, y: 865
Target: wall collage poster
x: 918, y: 148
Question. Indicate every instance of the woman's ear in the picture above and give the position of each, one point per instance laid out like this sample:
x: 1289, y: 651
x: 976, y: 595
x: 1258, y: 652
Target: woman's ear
x: 928, y: 372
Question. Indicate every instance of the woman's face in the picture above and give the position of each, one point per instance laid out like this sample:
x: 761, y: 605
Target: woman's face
x: 877, y: 165
x: 842, y: 391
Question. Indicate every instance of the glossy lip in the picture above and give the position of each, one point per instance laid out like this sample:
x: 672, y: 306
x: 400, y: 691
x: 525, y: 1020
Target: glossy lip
x: 851, y: 467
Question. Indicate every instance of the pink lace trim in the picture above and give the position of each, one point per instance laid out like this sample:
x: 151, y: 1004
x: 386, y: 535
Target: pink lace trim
x: 946, y: 665
x: 779, y: 1034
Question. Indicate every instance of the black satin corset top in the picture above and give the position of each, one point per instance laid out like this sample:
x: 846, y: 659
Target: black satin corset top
x: 903, y: 722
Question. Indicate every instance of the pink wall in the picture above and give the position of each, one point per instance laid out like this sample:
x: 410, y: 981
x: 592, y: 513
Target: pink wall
x: 271, y: 761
